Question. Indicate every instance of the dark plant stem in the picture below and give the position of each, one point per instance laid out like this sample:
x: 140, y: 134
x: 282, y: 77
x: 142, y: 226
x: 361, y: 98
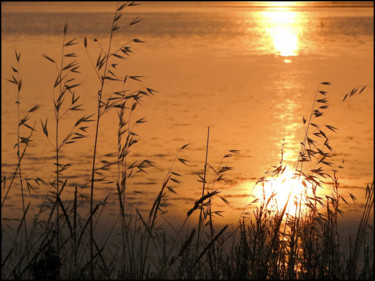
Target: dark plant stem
x: 203, y: 189
x: 18, y: 153
x: 303, y: 145
x: 57, y: 148
x: 100, y: 94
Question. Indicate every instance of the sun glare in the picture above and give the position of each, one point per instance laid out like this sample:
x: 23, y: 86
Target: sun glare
x: 285, y: 41
x: 286, y: 184
x: 283, y: 26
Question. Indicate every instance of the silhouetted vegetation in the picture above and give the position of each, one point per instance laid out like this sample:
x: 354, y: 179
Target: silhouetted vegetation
x: 267, y: 243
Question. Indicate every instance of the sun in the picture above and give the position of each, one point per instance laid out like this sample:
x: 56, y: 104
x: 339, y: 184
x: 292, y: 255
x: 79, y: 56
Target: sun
x: 287, y: 184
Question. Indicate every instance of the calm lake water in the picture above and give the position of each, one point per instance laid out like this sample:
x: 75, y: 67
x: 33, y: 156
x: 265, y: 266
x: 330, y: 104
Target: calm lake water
x: 248, y: 71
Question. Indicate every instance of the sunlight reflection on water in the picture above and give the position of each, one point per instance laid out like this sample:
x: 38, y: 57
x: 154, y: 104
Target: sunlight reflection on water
x: 285, y: 28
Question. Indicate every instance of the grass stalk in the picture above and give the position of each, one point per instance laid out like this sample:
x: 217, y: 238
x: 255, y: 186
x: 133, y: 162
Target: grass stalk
x: 203, y: 190
x: 18, y: 102
x: 98, y: 115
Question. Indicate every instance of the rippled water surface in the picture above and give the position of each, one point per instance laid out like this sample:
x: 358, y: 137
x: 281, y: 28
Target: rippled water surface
x: 247, y: 71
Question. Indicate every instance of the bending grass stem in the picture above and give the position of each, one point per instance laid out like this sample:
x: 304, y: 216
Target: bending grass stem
x: 203, y: 188
x: 100, y: 94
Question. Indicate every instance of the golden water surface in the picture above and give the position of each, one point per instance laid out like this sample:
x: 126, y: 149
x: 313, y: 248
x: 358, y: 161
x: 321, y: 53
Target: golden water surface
x: 248, y: 71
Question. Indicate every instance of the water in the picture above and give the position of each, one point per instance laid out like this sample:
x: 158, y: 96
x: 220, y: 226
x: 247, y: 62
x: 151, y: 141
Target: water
x: 248, y: 72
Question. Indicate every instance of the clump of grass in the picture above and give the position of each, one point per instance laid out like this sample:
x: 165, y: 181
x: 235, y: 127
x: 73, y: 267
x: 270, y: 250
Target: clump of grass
x: 64, y: 85
x: 267, y: 243
x: 301, y: 245
x: 105, y: 69
x: 22, y: 144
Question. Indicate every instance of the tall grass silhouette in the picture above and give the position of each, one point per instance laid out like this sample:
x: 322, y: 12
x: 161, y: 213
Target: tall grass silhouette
x: 297, y: 239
